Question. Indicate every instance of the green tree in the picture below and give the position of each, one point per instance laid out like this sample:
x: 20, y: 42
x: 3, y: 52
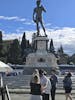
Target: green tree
x: 14, y: 54
x: 60, y: 50
x: 23, y: 44
x: 63, y: 57
x: 72, y: 59
x: 51, y: 48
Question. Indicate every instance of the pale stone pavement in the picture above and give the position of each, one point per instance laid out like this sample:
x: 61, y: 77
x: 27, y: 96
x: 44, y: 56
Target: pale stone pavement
x: 27, y: 97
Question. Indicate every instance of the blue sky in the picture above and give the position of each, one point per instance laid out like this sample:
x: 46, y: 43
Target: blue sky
x: 59, y: 20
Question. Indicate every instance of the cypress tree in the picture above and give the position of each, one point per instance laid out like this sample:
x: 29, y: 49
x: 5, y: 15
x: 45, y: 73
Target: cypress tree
x: 51, y: 48
x: 23, y: 44
x: 60, y: 50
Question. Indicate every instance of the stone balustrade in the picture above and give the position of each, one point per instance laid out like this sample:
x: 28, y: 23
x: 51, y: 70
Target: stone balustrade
x: 22, y: 81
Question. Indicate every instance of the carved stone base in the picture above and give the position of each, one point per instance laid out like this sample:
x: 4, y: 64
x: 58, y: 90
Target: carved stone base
x: 41, y: 58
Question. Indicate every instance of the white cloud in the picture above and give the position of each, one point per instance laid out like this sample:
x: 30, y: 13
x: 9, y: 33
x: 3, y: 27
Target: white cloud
x: 18, y: 34
x: 12, y: 36
x: 18, y: 19
x: 15, y: 18
x: 48, y: 24
x: 64, y: 36
x: 27, y: 23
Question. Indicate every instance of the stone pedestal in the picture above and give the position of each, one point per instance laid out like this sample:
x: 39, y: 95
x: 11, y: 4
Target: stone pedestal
x: 41, y: 43
x: 41, y: 58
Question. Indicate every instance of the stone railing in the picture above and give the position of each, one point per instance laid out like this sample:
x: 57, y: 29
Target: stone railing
x: 23, y: 81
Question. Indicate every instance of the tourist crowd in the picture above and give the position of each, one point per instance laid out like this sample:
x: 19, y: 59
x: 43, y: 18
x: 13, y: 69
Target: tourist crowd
x: 44, y: 88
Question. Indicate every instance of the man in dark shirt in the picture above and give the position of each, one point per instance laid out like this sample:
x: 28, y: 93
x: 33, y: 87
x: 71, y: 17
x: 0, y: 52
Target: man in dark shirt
x: 54, y: 81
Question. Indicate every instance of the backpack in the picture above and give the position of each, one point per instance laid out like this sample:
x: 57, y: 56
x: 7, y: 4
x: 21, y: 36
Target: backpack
x: 67, y: 82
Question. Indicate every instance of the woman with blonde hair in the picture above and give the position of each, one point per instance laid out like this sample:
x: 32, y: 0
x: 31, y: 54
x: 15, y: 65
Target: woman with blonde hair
x: 35, y: 88
x: 36, y: 72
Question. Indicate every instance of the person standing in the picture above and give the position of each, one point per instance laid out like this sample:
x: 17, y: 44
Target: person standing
x: 48, y: 87
x: 54, y: 81
x: 67, y: 83
x: 45, y: 84
x: 35, y: 88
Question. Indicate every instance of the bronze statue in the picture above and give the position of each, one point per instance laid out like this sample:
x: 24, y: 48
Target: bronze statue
x: 37, y: 16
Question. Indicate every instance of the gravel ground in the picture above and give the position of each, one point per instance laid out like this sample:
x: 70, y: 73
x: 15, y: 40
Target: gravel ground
x: 27, y: 97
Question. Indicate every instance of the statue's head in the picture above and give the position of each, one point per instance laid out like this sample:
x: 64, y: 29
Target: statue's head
x: 38, y: 2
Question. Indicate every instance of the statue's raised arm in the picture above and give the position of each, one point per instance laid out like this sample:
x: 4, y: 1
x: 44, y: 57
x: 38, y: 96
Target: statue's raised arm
x: 43, y: 8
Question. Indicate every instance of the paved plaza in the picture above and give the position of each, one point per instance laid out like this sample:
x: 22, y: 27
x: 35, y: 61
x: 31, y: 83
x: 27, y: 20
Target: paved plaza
x: 27, y: 97
x: 19, y: 88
